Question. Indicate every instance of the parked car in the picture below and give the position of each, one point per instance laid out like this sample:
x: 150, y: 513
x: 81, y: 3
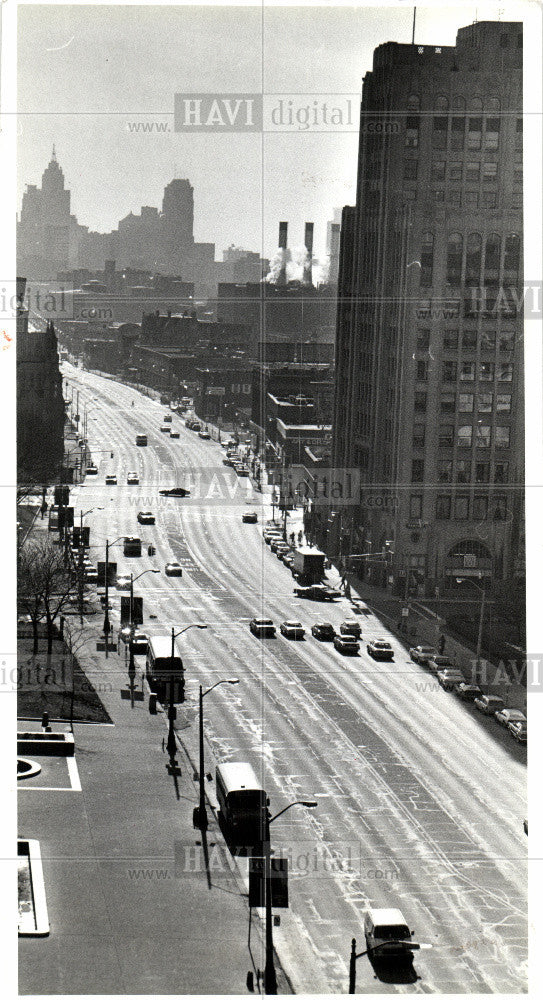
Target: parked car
x: 133, y: 479
x: 282, y: 551
x: 349, y: 627
x: 249, y: 517
x: 165, y: 428
x: 421, y: 654
x: 277, y: 543
x: 506, y: 715
x: 436, y: 662
x: 111, y: 480
x: 242, y: 470
x: 204, y: 435
x: 139, y: 642
x: 292, y: 630
x: 467, y: 692
x: 167, y: 418
x: 227, y: 461
x: 449, y: 677
x: 262, y: 626
x: 323, y: 631
x: 272, y: 536
x: 380, y: 649
x: 91, y: 470
x: 173, y: 569
x: 488, y: 704
x: 146, y: 517
x: 123, y: 581
x: 346, y: 644
x: 519, y: 731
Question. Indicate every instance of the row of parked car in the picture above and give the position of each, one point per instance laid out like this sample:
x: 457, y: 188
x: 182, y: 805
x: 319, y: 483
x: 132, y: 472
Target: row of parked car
x: 452, y: 679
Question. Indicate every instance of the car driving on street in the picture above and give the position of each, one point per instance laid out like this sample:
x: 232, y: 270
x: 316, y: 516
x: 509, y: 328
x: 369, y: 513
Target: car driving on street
x: 139, y: 642
x: 262, y: 626
x: 380, y: 649
x: 352, y: 628
x: 133, y: 479
x: 346, y: 644
x: 111, y: 480
x: 292, y: 630
x: 173, y: 569
x: 146, y: 517
x: 323, y: 631
x: 249, y: 517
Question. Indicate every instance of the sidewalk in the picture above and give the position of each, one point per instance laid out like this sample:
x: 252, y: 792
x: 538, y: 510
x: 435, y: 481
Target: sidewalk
x: 131, y: 907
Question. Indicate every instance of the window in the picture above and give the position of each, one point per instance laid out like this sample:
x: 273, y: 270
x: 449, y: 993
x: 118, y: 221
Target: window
x: 454, y: 198
x: 443, y: 508
x: 475, y: 126
x: 480, y: 508
x: 482, y: 439
x: 419, y: 435
x: 417, y: 470
x: 489, y: 199
x: 488, y: 340
x: 246, y: 388
x: 410, y: 170
x: 507, y: 341
x: 517, y: 173
x: 235, y: 390
x: 492, y: 133
x: 486, y: 371
x: 499, y: 508
x: 490, y: 173
x: 427, y: 259
x: 475, y: 104
x: 449, y: 371
x: 471, y: 199
x: 493, y: 104
x: 465, y: 402
x: 444, y: 471
x: 469, y: 340
x: 458, y: 129
x: 511, y: 260
x: 439, y: 136
x: 455, y: 169
x: 503, y: 403
x: 422, y: 371
x: 492, y: 259
x: 423, y: 340
x: 410, y: 194
x: 446, y: 436
x: 448, y: 402
x: 412, y: 124
x: 473, y: 259
x: 439, y: 195
x: 413, y: 102
x: 415, y: 507
x: 505, y: 373
x: 442, y: 103
x: 459, y: 103
x: 438, y: 170
x: 465, y: 434
x: 420, y: 402
x: 501, y: 472
x: 450, y: 340
x: 462, y: 470
x: 482, y: 472
x: 484, y: 402
x: 503, y: 436
x: 461, y: 508
x: 467, y: 371
x: 473, y: 170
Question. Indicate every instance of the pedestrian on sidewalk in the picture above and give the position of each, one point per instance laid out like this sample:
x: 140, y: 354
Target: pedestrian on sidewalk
x: 300, y: 536
x: 348, y: 590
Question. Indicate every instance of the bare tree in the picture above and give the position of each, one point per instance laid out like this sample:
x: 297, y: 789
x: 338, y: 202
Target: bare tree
x: 45, y: 585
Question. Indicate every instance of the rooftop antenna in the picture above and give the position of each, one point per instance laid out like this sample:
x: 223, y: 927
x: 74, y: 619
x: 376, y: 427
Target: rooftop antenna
x: 54, y: 156
x: 414, y: 21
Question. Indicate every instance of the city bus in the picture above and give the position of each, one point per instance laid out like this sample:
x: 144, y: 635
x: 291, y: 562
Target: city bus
x: 242, y: 803
x: 159, y: 665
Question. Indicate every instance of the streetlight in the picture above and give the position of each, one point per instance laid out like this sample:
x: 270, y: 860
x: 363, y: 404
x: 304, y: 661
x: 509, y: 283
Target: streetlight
x: 107, y: 626
x: 482, y: 591
x: 131, y: 665
x: 270, y: 979
x: 82, y: 514
x: 171, y: 745
x: 200, y: 813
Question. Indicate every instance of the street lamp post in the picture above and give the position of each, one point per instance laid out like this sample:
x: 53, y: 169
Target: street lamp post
x: 107, y: 625
x: 270, y: 978
x: 201, y: 814
x: 171, y: 745
x: 131, y: 665
x: 82, y: 514
x: 482, y: 591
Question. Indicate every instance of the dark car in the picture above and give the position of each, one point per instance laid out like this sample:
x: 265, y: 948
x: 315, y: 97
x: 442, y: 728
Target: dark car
x: 262, y: 626
x: 519, y: 731
x: 175, y: 491
x: 467, y: 692
x: 421, y: 654
x: 111, y: 480
x: 249, y: 517
x: 437, y: 662
x: 350, y: 628
x: 146, y: 517
x: 380, y: 649
x: 323, y: 631
x: 139, y: 642
x: 173, y: 569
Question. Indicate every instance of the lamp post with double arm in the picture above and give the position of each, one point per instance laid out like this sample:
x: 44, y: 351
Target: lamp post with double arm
x: 131, y: 665
x: 201, y: 814
x: 171, y: 745
x: 107, y: 625
x: 270, y: 978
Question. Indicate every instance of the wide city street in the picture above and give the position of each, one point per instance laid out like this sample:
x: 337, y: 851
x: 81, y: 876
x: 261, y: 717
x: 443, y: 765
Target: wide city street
x: 421, y: 800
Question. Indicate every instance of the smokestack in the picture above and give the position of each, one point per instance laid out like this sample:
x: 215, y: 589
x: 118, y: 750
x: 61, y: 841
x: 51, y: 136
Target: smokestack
x: 283, y: 235
x: 308, y: 243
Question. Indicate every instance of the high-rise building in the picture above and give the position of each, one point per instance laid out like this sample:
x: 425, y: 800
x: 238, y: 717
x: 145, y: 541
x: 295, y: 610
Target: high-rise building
x: 429, y: 356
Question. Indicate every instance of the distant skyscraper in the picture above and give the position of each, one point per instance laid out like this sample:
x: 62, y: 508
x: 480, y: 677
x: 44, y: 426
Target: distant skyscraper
x: 429, y: 379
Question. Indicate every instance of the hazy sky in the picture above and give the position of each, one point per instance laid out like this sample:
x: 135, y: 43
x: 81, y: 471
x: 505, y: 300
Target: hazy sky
x: 86, y: 72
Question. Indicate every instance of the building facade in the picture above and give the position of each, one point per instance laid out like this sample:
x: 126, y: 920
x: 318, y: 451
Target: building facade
x: 429, y: 357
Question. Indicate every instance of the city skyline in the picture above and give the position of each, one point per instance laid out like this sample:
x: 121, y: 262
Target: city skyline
x: 292, y: 54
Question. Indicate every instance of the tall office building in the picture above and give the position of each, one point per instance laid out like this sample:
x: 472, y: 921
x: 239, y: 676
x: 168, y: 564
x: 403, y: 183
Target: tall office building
x: 429, y: 357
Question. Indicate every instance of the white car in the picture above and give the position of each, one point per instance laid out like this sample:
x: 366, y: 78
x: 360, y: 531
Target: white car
x: 132, y: 479
x: 292, y: 630
x: 449, y: 677
x: 507, y: 715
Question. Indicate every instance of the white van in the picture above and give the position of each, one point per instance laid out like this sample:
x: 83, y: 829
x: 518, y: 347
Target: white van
x: 387, y: 931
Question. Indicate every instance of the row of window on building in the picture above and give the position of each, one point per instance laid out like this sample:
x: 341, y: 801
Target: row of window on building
x: 462, y: 507
x: 469, y: 340
x: 466, y: 371
x: 460, y: 171
x: 465, y: 436
x: 459, y: 132
x: 466, y: 263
